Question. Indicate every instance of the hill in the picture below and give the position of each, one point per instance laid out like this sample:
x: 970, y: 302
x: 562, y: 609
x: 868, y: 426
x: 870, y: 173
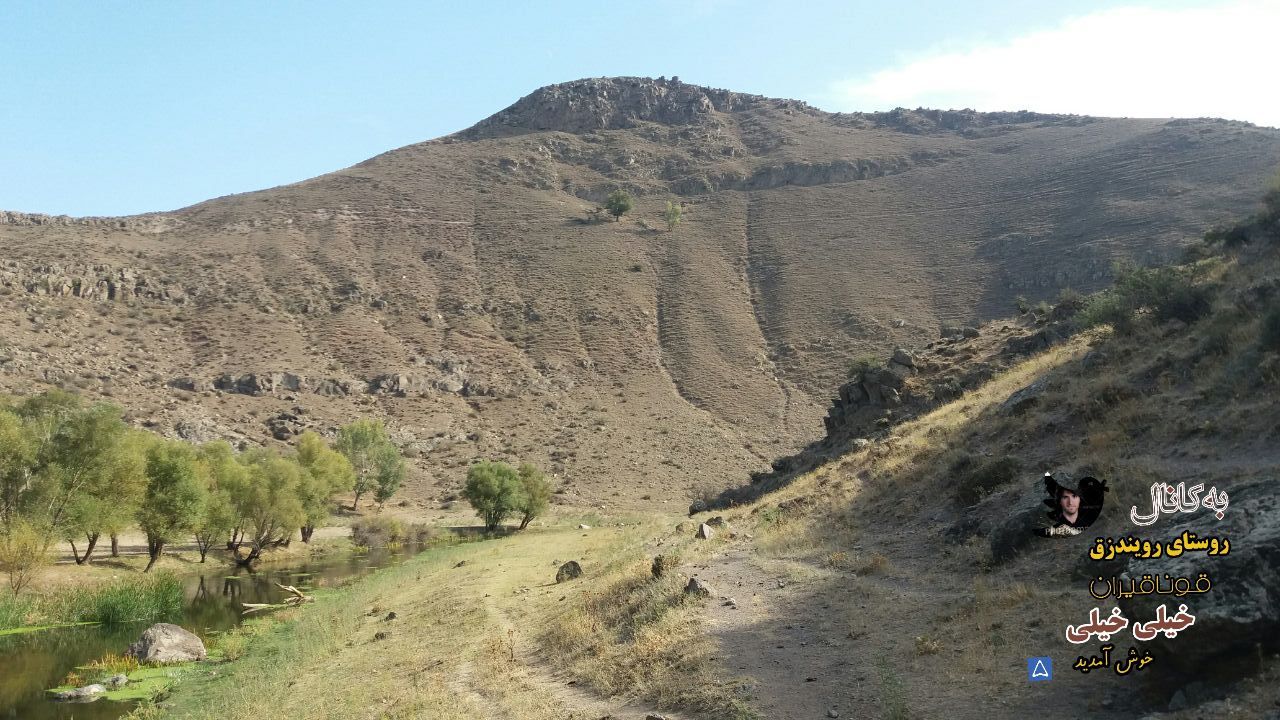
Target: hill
x: 459, y: 289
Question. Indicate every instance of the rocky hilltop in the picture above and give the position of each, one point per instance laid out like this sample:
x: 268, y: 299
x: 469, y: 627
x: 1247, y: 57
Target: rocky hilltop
x: 462, y: 289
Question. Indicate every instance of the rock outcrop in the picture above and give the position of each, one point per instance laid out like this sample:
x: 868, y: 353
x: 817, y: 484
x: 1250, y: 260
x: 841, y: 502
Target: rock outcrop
x: 90, y: 282
x: 613, y: 103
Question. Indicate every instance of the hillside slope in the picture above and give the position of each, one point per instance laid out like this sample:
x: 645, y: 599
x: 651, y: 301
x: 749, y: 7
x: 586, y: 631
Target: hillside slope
x: 897, y: 565
x: 456, y: 288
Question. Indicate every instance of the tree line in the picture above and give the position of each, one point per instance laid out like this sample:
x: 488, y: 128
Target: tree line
x: 78, y: 473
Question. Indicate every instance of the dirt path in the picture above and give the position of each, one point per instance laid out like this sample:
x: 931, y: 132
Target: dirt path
x: 799, y: 659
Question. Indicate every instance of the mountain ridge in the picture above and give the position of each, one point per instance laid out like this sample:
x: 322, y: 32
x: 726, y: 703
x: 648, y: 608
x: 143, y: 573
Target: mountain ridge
x: 459, y: 289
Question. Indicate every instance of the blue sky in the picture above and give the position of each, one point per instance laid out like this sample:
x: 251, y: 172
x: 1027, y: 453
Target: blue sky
x: 120, y: 108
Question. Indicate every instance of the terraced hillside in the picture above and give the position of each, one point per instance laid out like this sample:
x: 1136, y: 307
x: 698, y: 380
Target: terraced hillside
x: 460, y: 289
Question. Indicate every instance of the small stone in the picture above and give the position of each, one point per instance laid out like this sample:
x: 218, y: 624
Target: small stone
x: 704, y: 532
x: 381, y: 635
x: 390, y: 616
x: 697, y: 587
x: 832, y: 713
x: 569, y: 571
x: 116, y: 681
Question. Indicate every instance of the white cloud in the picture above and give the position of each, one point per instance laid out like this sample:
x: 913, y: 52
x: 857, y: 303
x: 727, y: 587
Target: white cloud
x: 1219, y: 61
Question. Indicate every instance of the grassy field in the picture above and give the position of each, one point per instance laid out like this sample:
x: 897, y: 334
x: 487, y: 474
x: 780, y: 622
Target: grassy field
x: 480, y: 630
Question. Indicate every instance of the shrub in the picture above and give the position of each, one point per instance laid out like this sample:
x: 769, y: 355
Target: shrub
x: 1228, y: 237
x: 618, y: 203
x: 672, y: 215
x: 1069, y: 303
x: 862, y: 364
x: 974, y: 478
x: 378, y: 531
x: 1169, y: 292
x: 1107, y: 308
x: 23, y: 552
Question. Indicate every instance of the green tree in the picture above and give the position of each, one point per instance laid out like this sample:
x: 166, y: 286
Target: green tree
x: 327, y: 473
x: 269, y: 505
x: 18, y: 449
x: 130, y: 485
x: 672, y: 215
x: 365, y: 444
x: 174, y: 499
x: 391, y: 470
x: 97, y: 472
x: 618, y: 203
x: 535, y: 496
x: 494, y: 491
x: 224, y: 476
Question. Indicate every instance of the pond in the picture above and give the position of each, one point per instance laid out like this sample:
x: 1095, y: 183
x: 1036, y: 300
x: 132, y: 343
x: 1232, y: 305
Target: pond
x: 33, y: 662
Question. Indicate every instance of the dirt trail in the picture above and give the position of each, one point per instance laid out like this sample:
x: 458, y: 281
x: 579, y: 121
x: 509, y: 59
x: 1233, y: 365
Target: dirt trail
x: 506, y: 588
x: 801, y: 661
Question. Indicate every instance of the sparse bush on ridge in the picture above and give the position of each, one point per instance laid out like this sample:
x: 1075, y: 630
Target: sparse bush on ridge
x: 862, y: 364
x: 1168, y: 293
x: 618, y: 203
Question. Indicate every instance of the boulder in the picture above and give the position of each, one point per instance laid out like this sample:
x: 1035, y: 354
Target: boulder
x: 1023, y: 399
x: 704, y: 532
x: 166, y: 643
x: 190, y: 384
x: 116, y: 681
x: 902, y: 357
x: 569, y: 571
x: 697, y: 587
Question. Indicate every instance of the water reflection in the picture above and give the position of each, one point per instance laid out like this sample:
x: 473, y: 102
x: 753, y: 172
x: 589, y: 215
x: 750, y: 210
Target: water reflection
x: 33, y: 662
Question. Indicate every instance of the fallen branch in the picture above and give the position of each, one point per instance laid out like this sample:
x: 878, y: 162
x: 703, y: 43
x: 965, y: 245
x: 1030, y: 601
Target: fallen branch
x: 297, y: 599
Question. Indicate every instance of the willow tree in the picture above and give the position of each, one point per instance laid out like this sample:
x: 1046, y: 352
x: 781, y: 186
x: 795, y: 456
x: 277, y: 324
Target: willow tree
x: 174, y: 498
x: 326, y: 472
x: 376, y: 460
x: 535, y: 495
x: 224, y: 477
x: 99, y: 465
x: 494, y: 491
x: 269, y: 505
